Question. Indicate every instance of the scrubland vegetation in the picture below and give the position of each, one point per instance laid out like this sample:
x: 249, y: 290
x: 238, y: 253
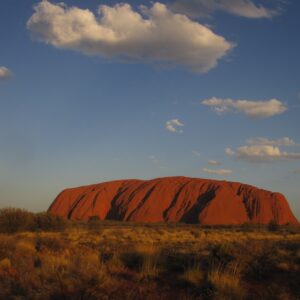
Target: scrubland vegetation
x: 46, y: 257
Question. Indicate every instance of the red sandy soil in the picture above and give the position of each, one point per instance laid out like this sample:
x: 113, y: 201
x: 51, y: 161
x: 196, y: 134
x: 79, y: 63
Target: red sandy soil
x: 174, y: 199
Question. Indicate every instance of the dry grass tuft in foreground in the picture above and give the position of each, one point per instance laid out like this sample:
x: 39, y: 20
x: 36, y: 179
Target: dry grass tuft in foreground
x: 227, y: 280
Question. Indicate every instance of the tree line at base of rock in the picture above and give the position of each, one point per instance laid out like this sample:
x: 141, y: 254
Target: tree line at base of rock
x: 14, y: 220
x: 17, y: 220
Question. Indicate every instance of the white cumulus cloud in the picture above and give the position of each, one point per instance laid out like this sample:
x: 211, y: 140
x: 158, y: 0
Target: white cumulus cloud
x: 174, y: 125
x: 261, y: 153
x: 4, y: 73
x: 252, y: 109
x: 217, y: 172
x: 242, y: 8
x: 151, y: 34
x: 285, y: 141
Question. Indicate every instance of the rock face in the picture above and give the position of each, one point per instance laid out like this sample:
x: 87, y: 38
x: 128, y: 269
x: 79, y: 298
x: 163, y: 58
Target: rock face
x: 174, y: 199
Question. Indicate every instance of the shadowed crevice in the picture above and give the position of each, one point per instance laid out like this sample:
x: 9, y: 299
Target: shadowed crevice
x: 75, y: 204
x: 192, y: 216
x: 114, y: 212
x: 141, y: 203
x: 174, y: 201
x: 93, y: 204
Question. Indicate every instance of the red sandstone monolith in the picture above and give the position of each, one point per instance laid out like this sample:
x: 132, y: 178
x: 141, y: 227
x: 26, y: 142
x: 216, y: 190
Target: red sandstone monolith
x: 174, y: 199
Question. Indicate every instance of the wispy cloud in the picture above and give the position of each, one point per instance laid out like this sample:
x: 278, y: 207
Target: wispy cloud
x: 264, y: 150
x: 196, y: 153
x: 242, y: 8
x: 217, y: 172
x: 214, y: 163
x: 5, y: 73
x: 174, y: 125
x: 252, y: 109
x: 229, y: 151
x: 157, y: 162
x: 151, y: 34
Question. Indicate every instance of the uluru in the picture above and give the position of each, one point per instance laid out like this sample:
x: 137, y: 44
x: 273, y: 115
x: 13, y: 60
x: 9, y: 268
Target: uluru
x: 174, y: 199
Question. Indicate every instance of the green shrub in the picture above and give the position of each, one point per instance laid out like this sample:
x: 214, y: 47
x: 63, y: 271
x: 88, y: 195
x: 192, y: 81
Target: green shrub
x: 14, y: 220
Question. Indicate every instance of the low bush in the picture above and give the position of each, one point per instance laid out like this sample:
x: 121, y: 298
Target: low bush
x: 14, y: 220
x: 48, y: 222
x: 94, y: 223
x: 273, y: 226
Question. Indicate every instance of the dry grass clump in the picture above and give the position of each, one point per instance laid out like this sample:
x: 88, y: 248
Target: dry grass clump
x: 114, y: 262
x: 50, y: 243
x: 227, y: 281
x: 7, y: 246
x: 149, y: 265
x: 25, y: 248
x: 194, y: 275
x: 73, y: 274
x: 142, y: 258
x: 5, y: 266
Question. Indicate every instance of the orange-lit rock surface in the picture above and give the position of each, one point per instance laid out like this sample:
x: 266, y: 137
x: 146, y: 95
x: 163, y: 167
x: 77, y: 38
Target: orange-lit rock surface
x: 174, y: 199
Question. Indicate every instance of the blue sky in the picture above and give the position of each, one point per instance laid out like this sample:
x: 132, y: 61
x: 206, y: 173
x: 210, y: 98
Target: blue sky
x: 165, y: 98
